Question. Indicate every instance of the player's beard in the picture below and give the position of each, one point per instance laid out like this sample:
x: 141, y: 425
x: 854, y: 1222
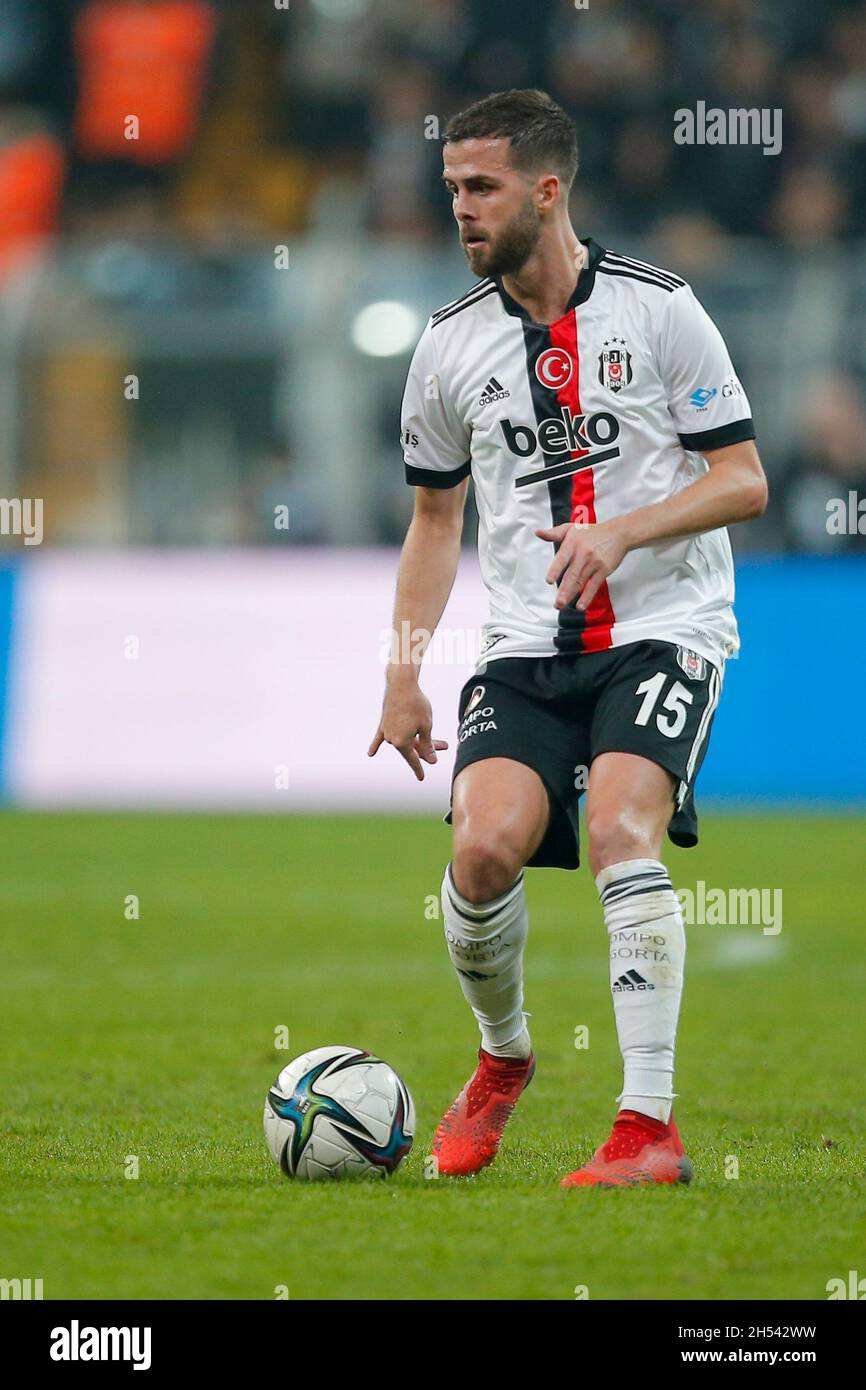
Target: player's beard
x: 511, y: 249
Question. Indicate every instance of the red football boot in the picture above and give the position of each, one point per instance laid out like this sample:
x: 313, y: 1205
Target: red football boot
x: 639, y: 1150
x: 469, y: 1132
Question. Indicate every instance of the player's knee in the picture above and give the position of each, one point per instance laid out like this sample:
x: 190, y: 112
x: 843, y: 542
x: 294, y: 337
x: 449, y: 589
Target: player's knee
x: 616, y: 834
x: 485, y: 864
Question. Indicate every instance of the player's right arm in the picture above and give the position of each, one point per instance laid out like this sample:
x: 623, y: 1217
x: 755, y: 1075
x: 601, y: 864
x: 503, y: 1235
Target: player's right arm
x: 436, y: 453
x: 428, y: 564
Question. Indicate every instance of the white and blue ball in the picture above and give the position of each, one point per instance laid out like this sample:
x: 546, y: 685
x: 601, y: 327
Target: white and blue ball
x: 338, y: 1112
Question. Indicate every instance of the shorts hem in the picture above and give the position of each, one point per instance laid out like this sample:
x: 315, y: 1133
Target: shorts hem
x: 561, y: 833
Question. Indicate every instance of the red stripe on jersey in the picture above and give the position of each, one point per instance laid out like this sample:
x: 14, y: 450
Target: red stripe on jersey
x: 599, y: 615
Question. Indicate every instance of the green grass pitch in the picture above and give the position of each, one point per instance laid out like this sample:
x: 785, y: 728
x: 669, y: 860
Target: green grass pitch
x: 154, y: 1038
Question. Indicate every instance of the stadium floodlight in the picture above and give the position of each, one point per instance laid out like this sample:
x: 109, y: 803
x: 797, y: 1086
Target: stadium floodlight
x: 385, y: 328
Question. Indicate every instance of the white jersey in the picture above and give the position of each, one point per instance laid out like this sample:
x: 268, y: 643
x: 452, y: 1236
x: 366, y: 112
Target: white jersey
x: 606, y: 410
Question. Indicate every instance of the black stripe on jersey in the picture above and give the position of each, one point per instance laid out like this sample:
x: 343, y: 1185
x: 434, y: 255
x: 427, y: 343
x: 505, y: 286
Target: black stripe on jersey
x: 630, y: 263
x: 582, y: 290
x: 452, y: 303
x: 435, y: 477
x: 633, y: 275
x: 536, y: 339
x: 734, y: 433
x: 566, y: 470
x: 460, y: 306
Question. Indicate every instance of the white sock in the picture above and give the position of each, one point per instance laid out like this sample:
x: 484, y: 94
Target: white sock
x: 485, y: 943
x: 647, y: 954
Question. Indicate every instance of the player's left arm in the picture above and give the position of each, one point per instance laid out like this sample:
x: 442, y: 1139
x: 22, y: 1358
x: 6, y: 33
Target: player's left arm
x: 734, y: 489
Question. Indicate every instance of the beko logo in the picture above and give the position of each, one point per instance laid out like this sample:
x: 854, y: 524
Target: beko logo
x: 564, y: 434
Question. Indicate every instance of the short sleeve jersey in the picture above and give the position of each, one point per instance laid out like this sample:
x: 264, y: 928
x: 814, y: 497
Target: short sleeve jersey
x: 606, y: 410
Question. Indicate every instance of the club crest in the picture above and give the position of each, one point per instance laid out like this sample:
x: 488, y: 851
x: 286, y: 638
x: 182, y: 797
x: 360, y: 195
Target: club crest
x: 694, y: 666
x: 614, y: 365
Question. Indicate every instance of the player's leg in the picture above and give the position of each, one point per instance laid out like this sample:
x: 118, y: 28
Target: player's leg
x: 500, y: 813
x: 630, y: 801
x: 629, y: 806
x: 653, y: 712
x: 514, y: 779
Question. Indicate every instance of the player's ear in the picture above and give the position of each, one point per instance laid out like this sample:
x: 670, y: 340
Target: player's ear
x: 547, y: 192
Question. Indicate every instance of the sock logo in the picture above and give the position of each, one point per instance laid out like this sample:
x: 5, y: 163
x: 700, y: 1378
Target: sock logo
x: 630, y: 982
x: 474, y: 952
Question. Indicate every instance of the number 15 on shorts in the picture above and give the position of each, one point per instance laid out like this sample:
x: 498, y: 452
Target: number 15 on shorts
x: 671, y: 715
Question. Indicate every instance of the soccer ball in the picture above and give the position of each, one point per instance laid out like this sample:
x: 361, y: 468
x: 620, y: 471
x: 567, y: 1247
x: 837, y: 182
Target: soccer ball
x: 338, y: 1112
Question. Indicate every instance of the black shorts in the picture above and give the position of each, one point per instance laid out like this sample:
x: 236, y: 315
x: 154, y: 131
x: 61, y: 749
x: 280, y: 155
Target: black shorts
x: 557, y: 713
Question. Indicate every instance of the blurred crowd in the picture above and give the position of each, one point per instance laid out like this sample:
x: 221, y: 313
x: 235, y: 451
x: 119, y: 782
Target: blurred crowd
x: 268, y: 99
x: 201, y: 129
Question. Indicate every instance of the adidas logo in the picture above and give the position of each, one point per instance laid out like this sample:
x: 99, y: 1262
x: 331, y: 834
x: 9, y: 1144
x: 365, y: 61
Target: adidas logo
x: 631, y: 980
x: 493, y: 391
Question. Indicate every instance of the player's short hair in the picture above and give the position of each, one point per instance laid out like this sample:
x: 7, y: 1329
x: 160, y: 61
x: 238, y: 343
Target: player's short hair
x: 542, y: 135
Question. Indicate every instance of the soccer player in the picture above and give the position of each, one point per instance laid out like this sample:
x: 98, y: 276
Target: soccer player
x: 610, y: 443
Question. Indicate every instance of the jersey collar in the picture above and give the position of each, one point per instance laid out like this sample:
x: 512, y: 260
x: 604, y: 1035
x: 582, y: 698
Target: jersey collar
x: 582, y: 291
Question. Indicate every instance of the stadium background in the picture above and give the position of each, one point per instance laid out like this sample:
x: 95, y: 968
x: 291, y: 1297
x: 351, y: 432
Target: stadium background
x: 211, y: 323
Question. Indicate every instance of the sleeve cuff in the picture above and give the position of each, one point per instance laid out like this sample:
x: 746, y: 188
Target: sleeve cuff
x: 434, y: 477
x: 734, y: 433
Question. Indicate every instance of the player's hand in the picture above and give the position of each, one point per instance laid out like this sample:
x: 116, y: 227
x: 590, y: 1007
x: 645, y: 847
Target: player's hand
x: 407, y: 724
x: 587, y: 554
